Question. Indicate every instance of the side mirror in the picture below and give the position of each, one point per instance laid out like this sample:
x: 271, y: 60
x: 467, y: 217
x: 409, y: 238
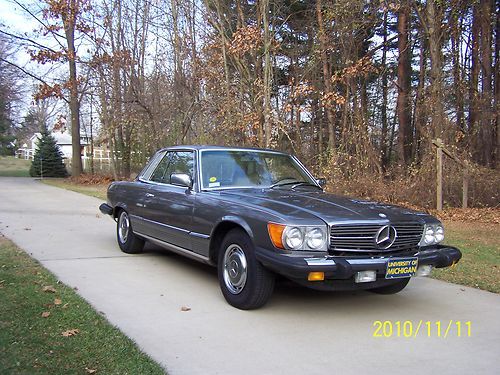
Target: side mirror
x: 321, y: 182
x: 181, y: 179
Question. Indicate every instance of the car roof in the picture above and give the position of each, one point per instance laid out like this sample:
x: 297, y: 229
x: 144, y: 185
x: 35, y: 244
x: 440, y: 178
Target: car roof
x: 212, y: 147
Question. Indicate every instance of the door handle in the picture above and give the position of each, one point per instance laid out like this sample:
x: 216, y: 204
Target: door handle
x: 149, y: 195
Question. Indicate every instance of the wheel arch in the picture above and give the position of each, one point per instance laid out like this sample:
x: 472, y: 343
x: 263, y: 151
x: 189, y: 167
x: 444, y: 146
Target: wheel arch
x: 117, y: 209
x: 220, y: 230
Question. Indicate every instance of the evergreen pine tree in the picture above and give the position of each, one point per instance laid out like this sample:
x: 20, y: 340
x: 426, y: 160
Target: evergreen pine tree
x: 47, y: 158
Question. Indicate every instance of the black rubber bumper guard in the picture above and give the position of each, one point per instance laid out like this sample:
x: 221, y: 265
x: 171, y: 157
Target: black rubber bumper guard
x: 106, y: 209
x: 345, y: 267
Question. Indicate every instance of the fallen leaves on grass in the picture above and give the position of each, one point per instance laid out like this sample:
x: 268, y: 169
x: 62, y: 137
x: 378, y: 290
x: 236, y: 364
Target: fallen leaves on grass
x: 90, y: 370
x: 478, y: 215
x: 45, y: 314
x: 48, y: 289
x: 71, y: 332
x: 57, y: 301
x: 185, y: 308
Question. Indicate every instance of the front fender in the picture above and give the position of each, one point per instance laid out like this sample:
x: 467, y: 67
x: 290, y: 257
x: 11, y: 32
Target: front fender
x: 236, y: 220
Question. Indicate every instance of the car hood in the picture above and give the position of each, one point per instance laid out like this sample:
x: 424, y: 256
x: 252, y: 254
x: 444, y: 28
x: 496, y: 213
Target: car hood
x: 332, y: 209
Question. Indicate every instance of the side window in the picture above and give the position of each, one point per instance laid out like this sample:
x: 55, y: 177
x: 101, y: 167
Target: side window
x: 160, y: 171
x: 173, y: 162
x: 180, y: 162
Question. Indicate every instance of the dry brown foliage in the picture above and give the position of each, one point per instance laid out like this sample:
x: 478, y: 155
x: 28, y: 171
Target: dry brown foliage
x: 476, y: 215
x: 91, y: 179
x: 415, y: 187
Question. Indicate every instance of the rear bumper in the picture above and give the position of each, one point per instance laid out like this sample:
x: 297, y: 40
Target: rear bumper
x: 106, y: 209
x: 340, y: 271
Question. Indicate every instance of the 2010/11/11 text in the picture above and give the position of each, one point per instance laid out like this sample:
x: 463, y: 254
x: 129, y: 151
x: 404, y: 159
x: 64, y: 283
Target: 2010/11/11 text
x: 427, y: 328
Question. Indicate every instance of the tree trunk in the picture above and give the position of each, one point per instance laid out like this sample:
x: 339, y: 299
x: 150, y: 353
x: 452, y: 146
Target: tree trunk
x: 420, y: 100
x: 405, y: 133
x: 486, y: 130
x: 435, y: 34
x: 326, y: 73
x: 474, y: 78
x: 74, y: 103
x: 383, y: 137
x: 267, y: 72
x: 456, y: 35
x: 496, y: 107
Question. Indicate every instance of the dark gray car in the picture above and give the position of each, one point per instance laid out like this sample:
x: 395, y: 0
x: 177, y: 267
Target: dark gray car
x: 256, y: 213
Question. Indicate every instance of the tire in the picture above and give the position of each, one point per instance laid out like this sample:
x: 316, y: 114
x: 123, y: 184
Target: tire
x: 129, y: 243
x: 244, y: 282
x: 393, y: 288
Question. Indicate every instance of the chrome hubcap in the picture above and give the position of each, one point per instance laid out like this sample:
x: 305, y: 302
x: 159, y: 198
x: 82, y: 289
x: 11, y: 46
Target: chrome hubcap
x: 235, y: 269
x: 123, y: 227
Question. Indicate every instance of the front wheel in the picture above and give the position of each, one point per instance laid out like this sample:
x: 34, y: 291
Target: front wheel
x: 391, y: 289
x: 129, y: 243
x: 244, y: 282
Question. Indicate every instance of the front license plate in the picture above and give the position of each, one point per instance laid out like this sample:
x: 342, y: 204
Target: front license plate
x: 401, y: 267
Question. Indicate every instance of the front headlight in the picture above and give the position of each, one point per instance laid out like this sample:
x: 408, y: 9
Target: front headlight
x: 315, y: 238
x: 439, y: 233
x: 429, y: 236
x: 433, y: 234
x: 312, y: 238
x: 293, y: 238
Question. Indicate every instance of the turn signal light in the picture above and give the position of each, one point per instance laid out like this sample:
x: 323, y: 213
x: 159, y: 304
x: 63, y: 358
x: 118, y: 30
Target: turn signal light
x: 276, y: 234
x: 316, y: 276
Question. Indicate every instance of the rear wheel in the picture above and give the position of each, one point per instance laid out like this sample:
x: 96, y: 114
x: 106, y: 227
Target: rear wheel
x: 393, y: 288
x: 244, y: 282
x: 129, y: 243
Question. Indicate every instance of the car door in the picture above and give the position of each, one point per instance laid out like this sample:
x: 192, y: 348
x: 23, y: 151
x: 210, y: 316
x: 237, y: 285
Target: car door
x: 135, y: 198
x: 169, y: 209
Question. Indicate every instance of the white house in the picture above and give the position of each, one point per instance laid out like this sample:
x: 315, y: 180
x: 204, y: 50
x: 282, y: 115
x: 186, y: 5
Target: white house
x: 63, y: 140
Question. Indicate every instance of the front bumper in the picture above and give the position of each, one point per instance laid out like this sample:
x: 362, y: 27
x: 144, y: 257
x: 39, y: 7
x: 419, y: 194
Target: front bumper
x: 340, y: 271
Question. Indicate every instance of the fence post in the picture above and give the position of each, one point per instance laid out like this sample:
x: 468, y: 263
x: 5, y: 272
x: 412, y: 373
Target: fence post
x: 439, y: 176
x: 465, y: 187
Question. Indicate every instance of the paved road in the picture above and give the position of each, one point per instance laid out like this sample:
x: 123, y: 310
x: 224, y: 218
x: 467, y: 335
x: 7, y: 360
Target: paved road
x: 299, y: 332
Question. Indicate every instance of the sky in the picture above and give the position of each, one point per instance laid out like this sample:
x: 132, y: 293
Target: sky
x: 15, y: 21
x: 12, y: 16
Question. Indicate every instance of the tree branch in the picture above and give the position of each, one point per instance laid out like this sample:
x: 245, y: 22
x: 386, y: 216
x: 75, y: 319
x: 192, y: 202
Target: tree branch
x: 56, y: 35
x: 28, y: 74
x: 36, y: 44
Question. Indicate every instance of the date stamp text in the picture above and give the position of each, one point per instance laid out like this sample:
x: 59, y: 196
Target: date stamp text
x: 426, y: 328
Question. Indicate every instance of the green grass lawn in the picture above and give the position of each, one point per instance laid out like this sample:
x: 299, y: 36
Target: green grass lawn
x: 46, y: 328
x: 480, y: 263
x: 13, y: 167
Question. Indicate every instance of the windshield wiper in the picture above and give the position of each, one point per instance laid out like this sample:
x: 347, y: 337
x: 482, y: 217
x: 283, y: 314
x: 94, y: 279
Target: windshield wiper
x: 279, y: 183
x: 294, y: 183
x: 304, y: 183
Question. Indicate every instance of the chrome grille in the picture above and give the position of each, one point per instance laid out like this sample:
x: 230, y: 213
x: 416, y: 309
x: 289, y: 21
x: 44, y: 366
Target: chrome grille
x: 361, y: 238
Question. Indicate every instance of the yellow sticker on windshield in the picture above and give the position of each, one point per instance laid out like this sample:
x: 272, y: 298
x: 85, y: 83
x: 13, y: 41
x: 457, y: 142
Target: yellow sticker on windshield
x: 213, y: 179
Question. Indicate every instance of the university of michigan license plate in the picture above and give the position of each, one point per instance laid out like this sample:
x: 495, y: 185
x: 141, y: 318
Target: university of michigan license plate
x: 401, y: 267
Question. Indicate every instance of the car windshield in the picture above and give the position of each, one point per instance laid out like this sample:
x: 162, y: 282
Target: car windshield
x: 247, y: 168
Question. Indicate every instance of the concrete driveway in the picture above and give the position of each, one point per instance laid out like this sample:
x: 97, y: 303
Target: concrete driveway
x: 298, y: 332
